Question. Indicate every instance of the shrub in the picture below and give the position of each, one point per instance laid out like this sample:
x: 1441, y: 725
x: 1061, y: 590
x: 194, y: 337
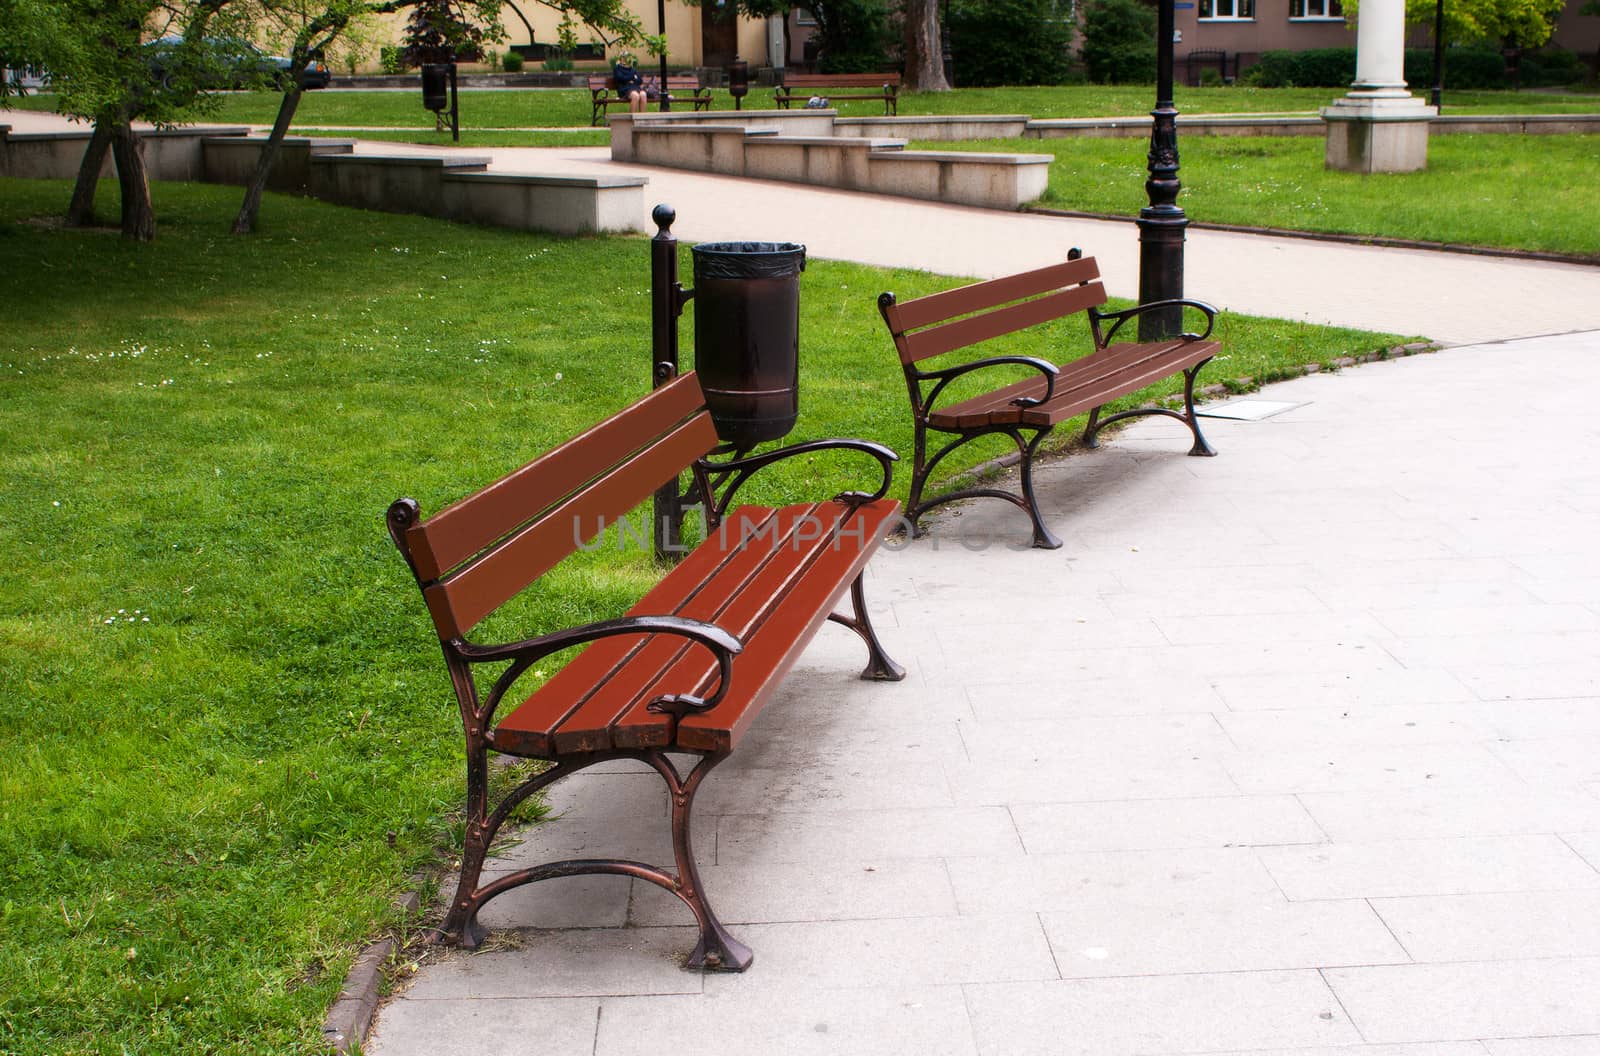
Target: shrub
x: 1336, y: 68
x: 1551, y: 66
x: 389, y: 59
x: 1119, y: 45
x: 511, y: 62
x: 999, y: 42
x: 852, y: 35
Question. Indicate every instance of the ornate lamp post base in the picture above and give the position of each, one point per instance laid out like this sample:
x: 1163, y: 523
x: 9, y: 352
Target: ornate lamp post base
x: 1162, y: 223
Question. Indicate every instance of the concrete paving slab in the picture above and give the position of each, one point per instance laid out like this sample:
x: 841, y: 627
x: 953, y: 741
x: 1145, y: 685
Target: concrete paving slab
x: 867, y: 835
x: 1504, y: 925
x: 1481, y: 999
x: 928, y: 1020
x: 1062, y: 881
x: 1588, y: 1045
x: 499, y: 1027
x: 1157, y: 1014
x: 1124, y: 937
x: 1428, y: 813
x: 1412, y: 868
x: 1165, y: 824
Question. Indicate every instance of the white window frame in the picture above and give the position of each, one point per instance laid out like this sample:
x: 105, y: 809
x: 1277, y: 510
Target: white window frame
x: 1233, y: 7
x: 804, y: 17
x: 1325, y: 15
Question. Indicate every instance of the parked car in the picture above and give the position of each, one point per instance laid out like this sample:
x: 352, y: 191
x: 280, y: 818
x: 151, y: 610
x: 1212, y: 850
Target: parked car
x: 218, y: 63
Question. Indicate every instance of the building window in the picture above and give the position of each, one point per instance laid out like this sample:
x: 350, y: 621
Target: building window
x: 1235, y: 10
x: 804, y: 17
x: 1316, y: 10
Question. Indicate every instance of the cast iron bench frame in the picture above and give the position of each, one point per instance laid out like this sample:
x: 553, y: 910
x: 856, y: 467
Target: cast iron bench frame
x: 948, y: 322
x: 602, y: 93
x: 887, y: 85
x: 685, y: 671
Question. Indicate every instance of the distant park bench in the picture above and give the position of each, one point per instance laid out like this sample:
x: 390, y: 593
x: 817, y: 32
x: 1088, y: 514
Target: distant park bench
x: 802, y: 86
x: 943, y: 324
x: 681, y: 88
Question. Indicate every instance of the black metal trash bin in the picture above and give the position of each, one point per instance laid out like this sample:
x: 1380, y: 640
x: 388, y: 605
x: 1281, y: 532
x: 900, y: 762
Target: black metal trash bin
x: 747, y: 336
x: 436, y: 86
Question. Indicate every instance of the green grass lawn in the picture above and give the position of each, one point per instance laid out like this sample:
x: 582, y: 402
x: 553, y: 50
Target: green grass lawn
x: 569, y: 107
x: 227, y: 735
x: 1513, y: 192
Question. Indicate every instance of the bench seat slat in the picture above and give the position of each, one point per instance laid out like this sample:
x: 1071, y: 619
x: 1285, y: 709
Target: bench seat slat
x: 658, y: 668
x: 529, y: 729
x: 791, y: 623
x: 598, y: 702
x: 1083, y: 385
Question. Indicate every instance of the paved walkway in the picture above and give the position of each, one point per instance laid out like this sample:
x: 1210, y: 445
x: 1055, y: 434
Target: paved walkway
x: 1295, y: 750
x: 1450, y: 297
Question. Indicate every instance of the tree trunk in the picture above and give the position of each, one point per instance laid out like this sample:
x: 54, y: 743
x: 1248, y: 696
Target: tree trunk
x: 245, y: 222
x: 81, y: 212
x: 138, y: 213
x: 924, y: 55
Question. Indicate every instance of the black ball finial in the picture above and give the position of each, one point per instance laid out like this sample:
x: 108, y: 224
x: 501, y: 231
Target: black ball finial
x: 664, y: 215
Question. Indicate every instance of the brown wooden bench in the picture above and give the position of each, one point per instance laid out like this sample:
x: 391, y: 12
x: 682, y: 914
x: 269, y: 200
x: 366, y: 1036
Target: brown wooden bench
x: 681, y: 88
x: 802, y: 86
x: 946, y: 323
x: 686, y: 670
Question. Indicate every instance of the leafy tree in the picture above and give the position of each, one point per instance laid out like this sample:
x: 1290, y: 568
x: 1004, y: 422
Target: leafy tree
x: 1119, y: 42
x: 103, y: 71
x: 1512, y: 23
x: 1010, y: 41
x: 440, y: 31
x: 852, y: 35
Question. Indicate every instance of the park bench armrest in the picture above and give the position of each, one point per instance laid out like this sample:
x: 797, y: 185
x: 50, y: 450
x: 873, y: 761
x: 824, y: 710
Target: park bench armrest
x: 1130, y: 313
x: 524, y: 654
x: 731, y: 475
x: 949, y: 374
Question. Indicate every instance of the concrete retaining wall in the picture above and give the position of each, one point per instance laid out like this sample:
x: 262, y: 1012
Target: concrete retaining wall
x: 947, y: 128
x: 232, y: 159
x: 782, y: 122
x: 994, y: 181
x: 447, y: 187
x: 178, y: 154
x: 564, y: 205
x: 801, y: 147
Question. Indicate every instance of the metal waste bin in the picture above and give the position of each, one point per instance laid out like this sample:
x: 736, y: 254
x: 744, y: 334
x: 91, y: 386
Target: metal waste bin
x: 747, y: 336
x: 435, y: 86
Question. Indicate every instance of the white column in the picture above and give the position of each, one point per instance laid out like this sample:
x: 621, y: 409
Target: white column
x: 1379, y: 126
x: 1380, y: 49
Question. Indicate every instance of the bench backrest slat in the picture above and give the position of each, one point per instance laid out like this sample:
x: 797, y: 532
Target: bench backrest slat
x: 842, y: 80
x: 478, y: 553
x: 985, y: 310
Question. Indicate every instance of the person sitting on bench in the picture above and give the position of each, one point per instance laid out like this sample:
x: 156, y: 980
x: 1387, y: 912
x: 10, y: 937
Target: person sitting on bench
x: 630, y: 85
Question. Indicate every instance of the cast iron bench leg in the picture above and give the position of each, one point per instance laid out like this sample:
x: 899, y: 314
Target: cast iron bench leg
x: 880, y: 668
x: 1200, y: 446
x: 716, y: 949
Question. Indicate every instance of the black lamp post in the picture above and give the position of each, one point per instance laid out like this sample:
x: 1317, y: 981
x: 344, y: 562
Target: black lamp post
x: 1162, y: 223
x: 1438, y: 55
x: 661, y: 20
